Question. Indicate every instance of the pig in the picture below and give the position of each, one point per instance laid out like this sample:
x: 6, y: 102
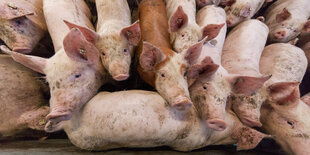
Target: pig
x: 286, y: 19
x: 138, y: 118
x: 116, y: 37
x: 22, y: 24
x: 240, y: 10
x: 283, y: 114
x: 158, y: 65
x: 184, y: 31
x: 304, y: 44
x: 241, y: 54
x: 23, y: 103
x: 75, y: 72
x: 202, y: 3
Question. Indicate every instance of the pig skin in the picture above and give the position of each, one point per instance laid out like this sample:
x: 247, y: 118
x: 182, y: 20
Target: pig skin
x: 241, y: 10
x: 116, y: 37
x: 75, y: 72
x: 284, y: 115
x: 22, y: 99
x: 159, y: 65
x: 241, y: 54
x: 291, y: 23
x: 139, y: 118
x: 22, y: 24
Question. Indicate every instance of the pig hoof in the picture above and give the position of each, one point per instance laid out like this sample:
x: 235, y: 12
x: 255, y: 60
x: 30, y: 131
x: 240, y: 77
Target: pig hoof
x: 216, y: 124
x: 280, y: 34
x: 251, y: 122
x: 121, y: 77
x: 59, y: 117
x: 182, y: 106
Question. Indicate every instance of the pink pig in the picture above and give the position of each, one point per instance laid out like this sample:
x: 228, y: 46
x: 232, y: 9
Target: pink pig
x: 116, y: 37
x: 74, y: 73
x: 241, y: 55
x: 240, y: 10
x: 184, y: 31
x: 138, y: 118
x: 283, y: 114
x: 22, y: 100
x: 287, y: 18
x: 22, y: 24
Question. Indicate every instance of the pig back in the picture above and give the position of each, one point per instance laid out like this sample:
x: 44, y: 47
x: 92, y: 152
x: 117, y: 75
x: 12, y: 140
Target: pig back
x: 20, y: 91
x: 154, y: 23
x: 243, y: 47
x: 132, y: 118
x: 284, y: 62
x: 55, y: 12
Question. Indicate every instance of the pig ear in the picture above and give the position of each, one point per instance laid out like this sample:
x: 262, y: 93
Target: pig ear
x: 246, y: 11
x: 306, y: 27
x: 79, y: 49
x: 150, y: 56
x: 306, y: 99
x: 228, y: 2
x: 212, y: 30
x: 248, y: 138
x: 284, y: 93
x: 247, y: 85
x: 284, y: 15
x: 34, y: 119
x: 178, y: 20
x: 132, y: 33
x: 194, y: 51
x: 203, y: 70
x: 33, y: 62
x: 89, y: 34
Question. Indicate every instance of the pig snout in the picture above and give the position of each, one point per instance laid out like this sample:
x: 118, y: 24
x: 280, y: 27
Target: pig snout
x: 59, y: 114
x: 216, y: 124
x: 280, y: 34
x: 119, y: 72
x: 228, y: 22
x: 182, y: 103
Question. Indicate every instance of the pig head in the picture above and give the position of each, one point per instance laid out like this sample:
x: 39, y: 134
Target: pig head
x: 185, y: 33
x: 22, y: 24
x: 286, y: 117
x: 74, y: 73
x: 166, y: 70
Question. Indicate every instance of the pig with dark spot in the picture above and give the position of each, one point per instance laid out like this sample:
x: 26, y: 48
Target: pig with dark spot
x: 116, y: 37
x: 202, y: 3
x: 283, y: 114
x: 22, y: 24
x: 23, y: 104
x: 184, y: 31
x: 138, y: 118
x: 75, y: 72
x: 287, y: 18
x: 159, y: 65
x: 240, y: 10
x: 241, y: 54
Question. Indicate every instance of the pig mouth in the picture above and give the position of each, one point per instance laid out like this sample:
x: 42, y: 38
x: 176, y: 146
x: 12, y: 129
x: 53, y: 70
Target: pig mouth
x: 182, y: 104
x: 121, y: 77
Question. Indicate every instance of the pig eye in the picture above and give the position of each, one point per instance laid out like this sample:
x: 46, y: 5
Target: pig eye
x: 282, y: 24
x: 125, y: 50
x: 185, y: 73
x: 204, y: 87
x: 77, y: 75
x: 102, y: 53
x: 295, y: 31
x: 182, y: 35
x: 162, y: 75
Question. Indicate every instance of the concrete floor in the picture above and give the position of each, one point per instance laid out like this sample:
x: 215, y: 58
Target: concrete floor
x: 63, y: 146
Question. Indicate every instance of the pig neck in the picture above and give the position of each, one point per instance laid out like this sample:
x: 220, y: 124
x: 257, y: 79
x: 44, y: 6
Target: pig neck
x: 112, y: 16
x: 56, y: 12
